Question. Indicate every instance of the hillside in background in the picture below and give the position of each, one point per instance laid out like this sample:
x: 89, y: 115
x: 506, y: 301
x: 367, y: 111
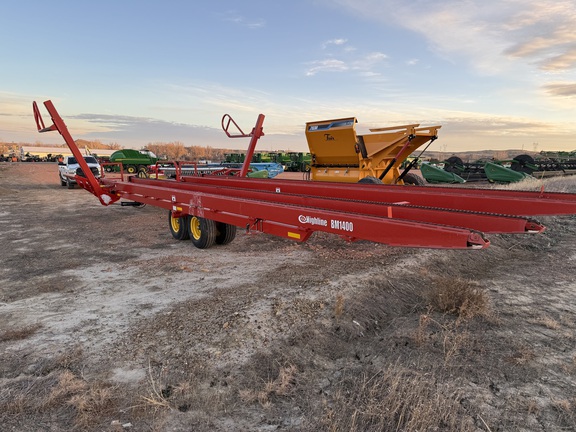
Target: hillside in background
x: 471, y: 156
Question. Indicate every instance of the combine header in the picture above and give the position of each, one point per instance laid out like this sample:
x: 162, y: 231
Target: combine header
x: 208, y: 209
x: 499, y: 171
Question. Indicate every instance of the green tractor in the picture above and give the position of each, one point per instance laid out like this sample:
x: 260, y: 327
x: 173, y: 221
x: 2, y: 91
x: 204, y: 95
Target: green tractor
x: 298, y: 162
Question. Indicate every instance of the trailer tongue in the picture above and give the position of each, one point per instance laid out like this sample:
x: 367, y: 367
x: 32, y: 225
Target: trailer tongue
x: 208, y: 209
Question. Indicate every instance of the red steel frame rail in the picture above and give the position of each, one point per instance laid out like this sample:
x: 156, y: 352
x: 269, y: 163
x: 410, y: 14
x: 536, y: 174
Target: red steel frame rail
x: 485, y: 222
x: 508, y: 202
x: 395, y: 215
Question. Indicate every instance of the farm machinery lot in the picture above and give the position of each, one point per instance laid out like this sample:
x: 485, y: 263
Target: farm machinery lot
x: 108, y: 323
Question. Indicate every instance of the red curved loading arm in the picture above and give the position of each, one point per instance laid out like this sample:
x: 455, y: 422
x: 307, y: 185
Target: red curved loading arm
x: 89, y: 182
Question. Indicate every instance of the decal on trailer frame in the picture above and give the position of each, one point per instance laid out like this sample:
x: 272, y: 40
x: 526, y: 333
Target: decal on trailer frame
x: 342, y: 225
x: 312, y: 220
x: 334, y: 224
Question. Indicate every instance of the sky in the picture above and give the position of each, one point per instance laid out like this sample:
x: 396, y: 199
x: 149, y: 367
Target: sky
x: 496, y: 74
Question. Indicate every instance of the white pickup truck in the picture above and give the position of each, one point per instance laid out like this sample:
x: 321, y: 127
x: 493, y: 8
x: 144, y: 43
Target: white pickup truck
x: 69, y: 167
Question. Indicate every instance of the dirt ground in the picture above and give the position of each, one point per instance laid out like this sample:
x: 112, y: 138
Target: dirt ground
x: 107, y: 323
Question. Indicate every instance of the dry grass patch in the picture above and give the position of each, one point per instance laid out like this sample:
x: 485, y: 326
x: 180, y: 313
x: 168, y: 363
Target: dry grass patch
x: 96, y: 402
x: 464, y: 298
x: 394, y: 399
x: 61, y: 394
x: 199, y: 391
x: 55, y: 392
x: 452, y: 297
x: 521, y: 355
x: 551, y: 184
x: 547, y: 322
x: 339, y: 306
x: 67, y: 385
x: 448, y: 335
x: 282, y: 385
x: 569, y: 367
x: 19, y: 333
x: 566, y: 408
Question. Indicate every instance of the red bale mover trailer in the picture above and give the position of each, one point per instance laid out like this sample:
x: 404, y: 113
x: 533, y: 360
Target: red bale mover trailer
x: 208, y: 208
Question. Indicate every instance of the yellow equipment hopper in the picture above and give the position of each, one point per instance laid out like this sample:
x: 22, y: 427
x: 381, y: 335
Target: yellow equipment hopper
x: 340, y: 155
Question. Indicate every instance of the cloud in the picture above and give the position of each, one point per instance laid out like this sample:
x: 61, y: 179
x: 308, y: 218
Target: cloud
x: 561, y: 89
x: 139, y: 131
x: 560, y: 62
x: 490, y: 34
x: 362, y: 63
x: 328, y: 65
x: 334, y: 42
x: 468, y: 131
x: 244, y: 22
x: 549, y: 42
x: 495, y: 126
x: 113, y: 121
x: 16, y: 118
x: 375, y: 57
x: 14, y: 104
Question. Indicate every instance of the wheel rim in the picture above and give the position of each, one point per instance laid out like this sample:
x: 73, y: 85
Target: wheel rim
x: 175, y: 223
x: 195, y: 228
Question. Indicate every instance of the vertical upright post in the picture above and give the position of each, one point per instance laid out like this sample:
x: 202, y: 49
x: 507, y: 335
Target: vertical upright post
x: 257, y: 132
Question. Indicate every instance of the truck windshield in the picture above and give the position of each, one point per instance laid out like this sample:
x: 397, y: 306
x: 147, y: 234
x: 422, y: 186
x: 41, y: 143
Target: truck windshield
x: 89, y: 159
x: 148, y: 152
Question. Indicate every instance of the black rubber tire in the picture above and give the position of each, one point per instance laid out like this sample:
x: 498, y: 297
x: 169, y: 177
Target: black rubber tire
x: 142, y: 171
x: 62, y: 182
x: 131, y: 169
x: 178, y: 227
x: 454, y: 160
x: 413, y: 179
x: 454, y: 165
x: 69, y: 184
x: 202, y: 232
x: 370, y: 180
x: 519, y: 163
x: 226, y: 233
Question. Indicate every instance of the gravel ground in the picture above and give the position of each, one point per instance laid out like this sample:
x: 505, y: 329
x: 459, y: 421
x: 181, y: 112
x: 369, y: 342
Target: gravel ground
x: 108, y: 323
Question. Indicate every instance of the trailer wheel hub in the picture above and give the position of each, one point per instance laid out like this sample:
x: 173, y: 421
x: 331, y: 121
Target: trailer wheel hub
x: 175, y: 222
x: 195, y: 228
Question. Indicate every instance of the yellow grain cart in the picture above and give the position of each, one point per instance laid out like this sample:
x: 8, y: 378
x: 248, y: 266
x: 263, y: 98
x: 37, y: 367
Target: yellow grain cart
x: 339, y: 154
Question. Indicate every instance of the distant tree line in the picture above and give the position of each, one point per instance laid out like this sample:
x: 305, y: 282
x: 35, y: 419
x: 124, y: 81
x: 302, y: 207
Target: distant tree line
x: 5, y: 148
x: 178, y: 151
x: 96, y: 144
